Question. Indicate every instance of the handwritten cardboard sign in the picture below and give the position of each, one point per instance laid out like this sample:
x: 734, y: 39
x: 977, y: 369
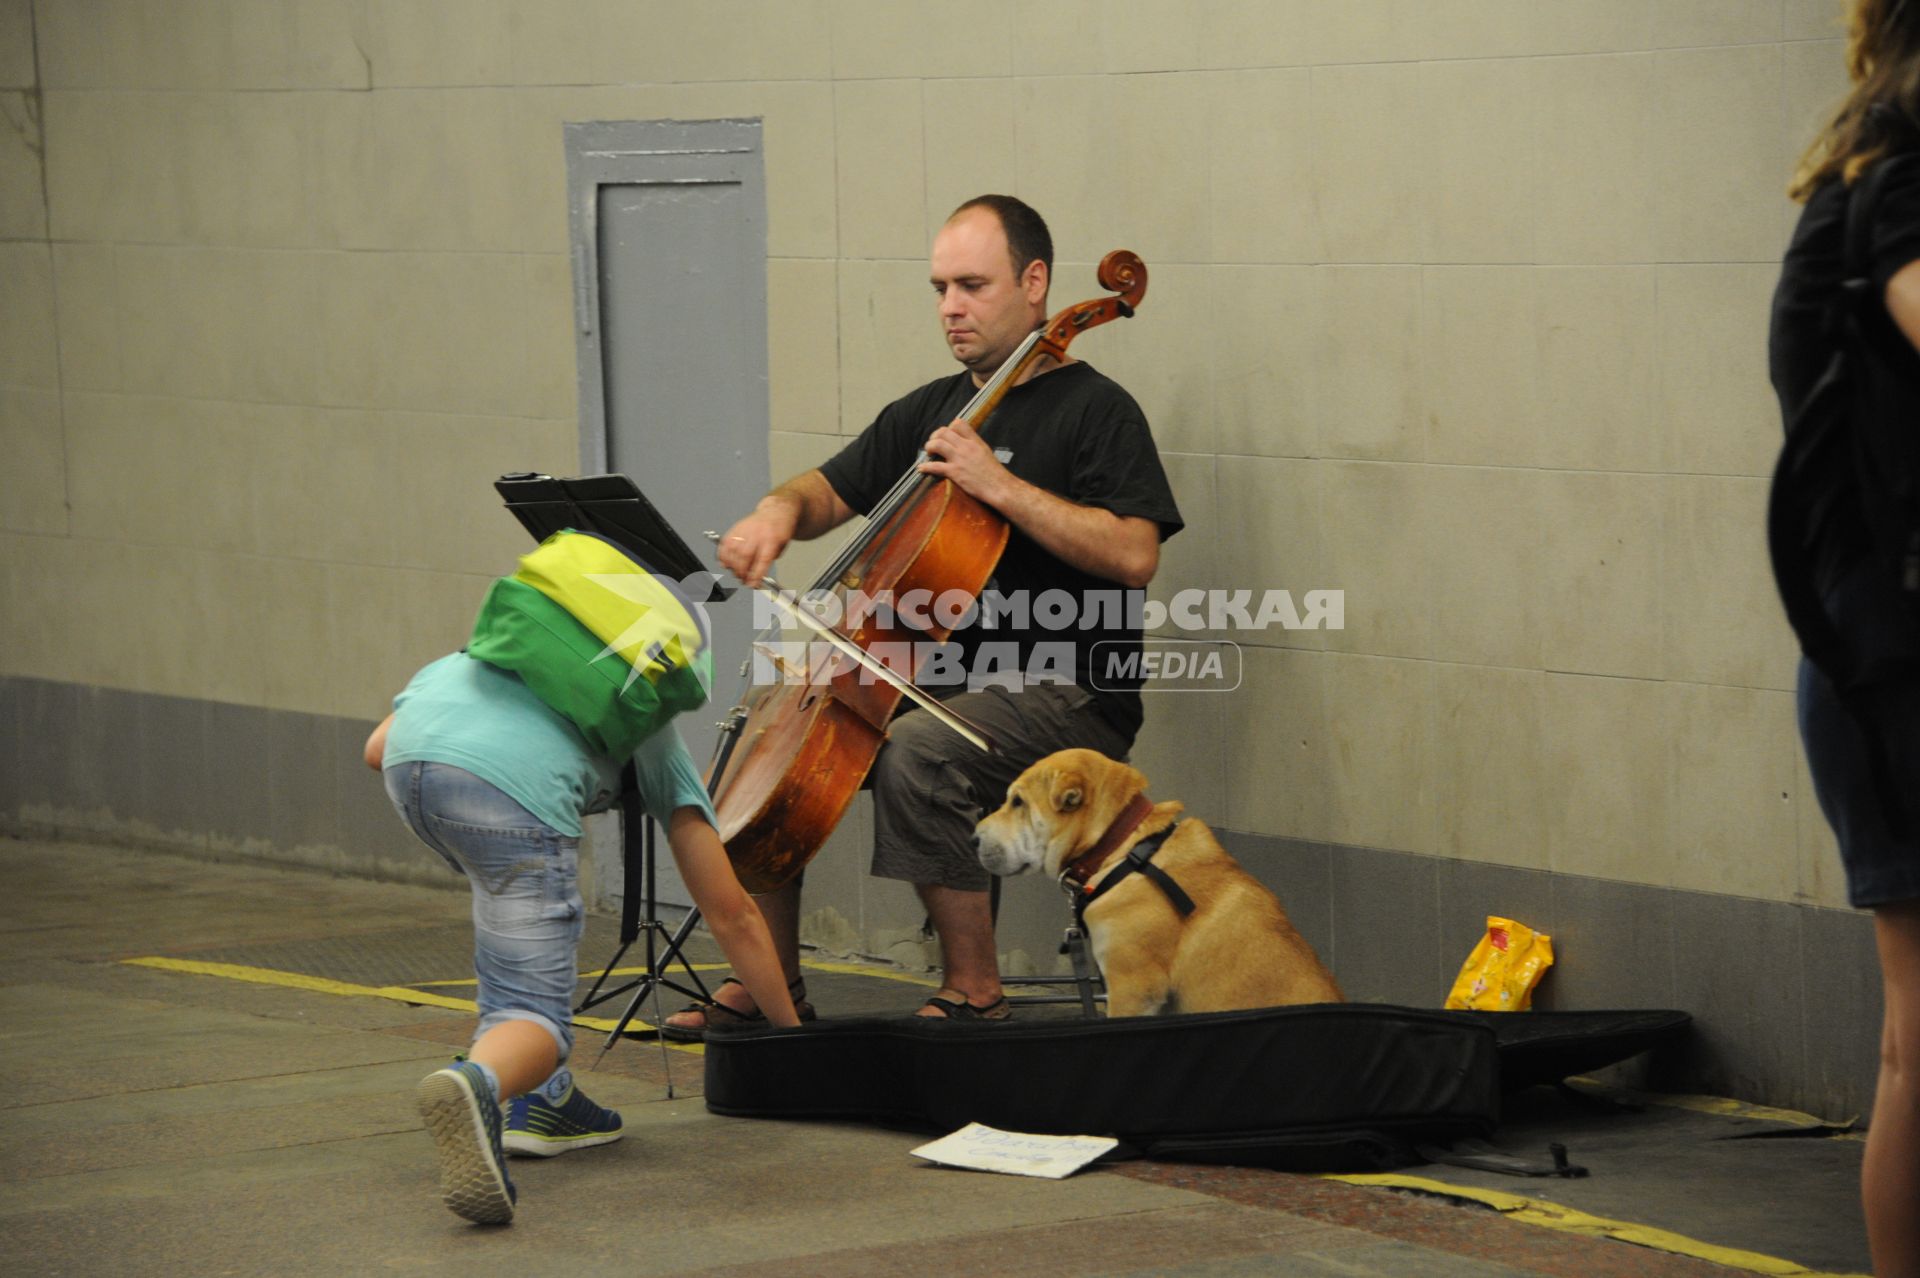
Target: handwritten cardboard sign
x: 984, y: 1148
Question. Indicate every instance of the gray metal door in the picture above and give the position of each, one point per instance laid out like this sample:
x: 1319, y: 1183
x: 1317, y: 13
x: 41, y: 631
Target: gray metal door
x: 670, y: 281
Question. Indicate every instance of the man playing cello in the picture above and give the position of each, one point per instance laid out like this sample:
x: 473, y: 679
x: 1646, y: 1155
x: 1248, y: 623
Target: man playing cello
x: 1067, y: 459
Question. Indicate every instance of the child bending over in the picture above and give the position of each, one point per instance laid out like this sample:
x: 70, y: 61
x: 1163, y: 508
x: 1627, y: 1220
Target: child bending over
x: 496, y: 782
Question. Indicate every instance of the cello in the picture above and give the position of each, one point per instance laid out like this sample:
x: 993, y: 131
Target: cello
x: 801, y: 748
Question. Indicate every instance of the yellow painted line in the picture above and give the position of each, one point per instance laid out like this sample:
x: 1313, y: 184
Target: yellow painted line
x: 585, y: 976
x: 862, y: 969
x: 300, y: 981
x: 1534, y: 1211
x: 1719, y: 1105
x: 815, y: 965
x: 345, y: 989
x: 420, y: 995
x: 1729, y: 1108
x: 1740, y: 1109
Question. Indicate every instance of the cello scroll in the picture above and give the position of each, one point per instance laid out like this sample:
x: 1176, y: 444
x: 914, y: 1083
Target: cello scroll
x: 1121, y: 272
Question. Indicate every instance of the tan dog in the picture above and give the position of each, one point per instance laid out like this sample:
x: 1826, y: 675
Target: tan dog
x: 1237, y: 948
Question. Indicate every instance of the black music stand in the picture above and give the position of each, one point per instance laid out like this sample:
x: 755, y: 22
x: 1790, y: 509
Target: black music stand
x: 614, y: 508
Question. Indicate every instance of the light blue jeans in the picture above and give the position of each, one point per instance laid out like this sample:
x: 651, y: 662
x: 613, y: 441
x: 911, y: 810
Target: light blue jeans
x: 525, y: 876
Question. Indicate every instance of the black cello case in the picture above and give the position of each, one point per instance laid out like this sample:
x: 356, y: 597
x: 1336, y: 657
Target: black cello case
x: 1338, y: 1087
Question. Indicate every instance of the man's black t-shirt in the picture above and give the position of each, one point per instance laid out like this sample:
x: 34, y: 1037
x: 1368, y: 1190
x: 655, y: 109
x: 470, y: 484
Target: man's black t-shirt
x: 1076, y: 434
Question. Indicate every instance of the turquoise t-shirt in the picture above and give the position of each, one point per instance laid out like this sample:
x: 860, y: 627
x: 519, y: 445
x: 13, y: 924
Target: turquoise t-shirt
x: 462, y: 711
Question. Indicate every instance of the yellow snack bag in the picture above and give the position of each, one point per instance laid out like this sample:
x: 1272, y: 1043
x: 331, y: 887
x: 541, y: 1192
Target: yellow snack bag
x: 1500, y: 974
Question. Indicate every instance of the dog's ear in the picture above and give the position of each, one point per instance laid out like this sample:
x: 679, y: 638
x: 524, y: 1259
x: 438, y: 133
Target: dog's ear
x: 1067, y: 791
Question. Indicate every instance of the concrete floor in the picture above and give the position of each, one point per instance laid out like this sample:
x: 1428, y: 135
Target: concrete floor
x: 177, y: 1119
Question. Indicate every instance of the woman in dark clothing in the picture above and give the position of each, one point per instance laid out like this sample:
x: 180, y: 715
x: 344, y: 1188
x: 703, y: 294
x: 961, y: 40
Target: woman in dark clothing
x: 1879, y: 123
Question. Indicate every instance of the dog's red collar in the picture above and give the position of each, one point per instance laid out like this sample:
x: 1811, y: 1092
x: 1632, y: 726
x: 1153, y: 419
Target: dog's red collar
x: 1076, y: 873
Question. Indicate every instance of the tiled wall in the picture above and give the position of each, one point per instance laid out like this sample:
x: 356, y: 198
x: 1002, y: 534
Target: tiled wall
x: 1456, y: 305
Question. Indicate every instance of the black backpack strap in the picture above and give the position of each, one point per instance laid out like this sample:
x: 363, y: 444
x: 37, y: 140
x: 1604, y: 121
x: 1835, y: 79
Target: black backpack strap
x: 1861, y: 202
x: 1807, y: 454
x: 1820, y: 441
x: 1888, y: 455
x: 1861, y: 698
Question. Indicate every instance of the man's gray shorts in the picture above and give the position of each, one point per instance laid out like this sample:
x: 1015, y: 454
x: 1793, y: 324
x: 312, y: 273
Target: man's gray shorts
x: 930, y: 787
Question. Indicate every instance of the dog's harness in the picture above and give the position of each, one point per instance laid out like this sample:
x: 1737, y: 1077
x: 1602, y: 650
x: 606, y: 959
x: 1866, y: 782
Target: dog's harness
x: 1075, y: 874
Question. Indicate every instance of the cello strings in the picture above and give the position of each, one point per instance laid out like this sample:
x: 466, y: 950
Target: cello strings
x: 910, y: 480
x: 896, y: 497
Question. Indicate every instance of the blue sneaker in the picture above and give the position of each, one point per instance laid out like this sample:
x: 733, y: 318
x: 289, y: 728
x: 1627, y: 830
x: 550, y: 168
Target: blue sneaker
x: 539, y: 1128
x: 461, y: 1114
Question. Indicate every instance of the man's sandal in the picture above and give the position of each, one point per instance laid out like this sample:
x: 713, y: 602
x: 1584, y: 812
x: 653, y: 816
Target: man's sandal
x: 718, y: 1013
x: 961, y: 1010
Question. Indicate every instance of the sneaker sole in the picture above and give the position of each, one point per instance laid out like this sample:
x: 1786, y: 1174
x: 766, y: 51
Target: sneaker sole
x: 470, y: 1185
x: 525, y: 1145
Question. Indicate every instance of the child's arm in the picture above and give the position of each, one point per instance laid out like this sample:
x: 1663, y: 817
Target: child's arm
x: 730, y: 913
x: 376, y: 747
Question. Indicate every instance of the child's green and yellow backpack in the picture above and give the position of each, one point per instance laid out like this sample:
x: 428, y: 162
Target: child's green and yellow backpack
x: 616, y: 649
